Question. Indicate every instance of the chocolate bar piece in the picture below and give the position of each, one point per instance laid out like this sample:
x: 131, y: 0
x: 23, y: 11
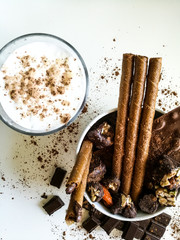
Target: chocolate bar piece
x: 90, y: 224
x: 120, y: 225
x: 139, y: 233
x: 163, y: 218
x: 109, y: 225
x: 144, y: 224
x: 150, y: 236
x: 166, y: 135
x: 130, y: 230
x: 156, y: 228
x: 54, y: 204
x: 58, y: 177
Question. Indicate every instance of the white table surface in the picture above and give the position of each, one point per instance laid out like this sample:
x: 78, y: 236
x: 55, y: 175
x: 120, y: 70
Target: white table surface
x: 149, y: 28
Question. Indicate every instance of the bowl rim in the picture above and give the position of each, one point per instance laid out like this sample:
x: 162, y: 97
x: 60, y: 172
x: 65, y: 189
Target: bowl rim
x: 13, y: 125
x: 99, y: 206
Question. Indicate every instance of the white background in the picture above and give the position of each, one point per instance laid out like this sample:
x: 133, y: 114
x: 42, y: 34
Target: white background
x: 149, y: 28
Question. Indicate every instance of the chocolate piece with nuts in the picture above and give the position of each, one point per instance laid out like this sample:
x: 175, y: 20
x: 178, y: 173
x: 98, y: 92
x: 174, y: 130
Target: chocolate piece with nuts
x: 112, y: 183
x: 102, y: 136
x: 106, y: 155
x: 119, y: 205
x: 149, y: 203
x: 96, y: 191
x: 97, y: 170
x: 166, y: 197
x: 130, y: 211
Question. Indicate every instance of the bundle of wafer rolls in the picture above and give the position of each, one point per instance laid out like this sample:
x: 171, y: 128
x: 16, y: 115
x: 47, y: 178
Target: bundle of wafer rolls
x: 76, y: 184
x: 135, y: 114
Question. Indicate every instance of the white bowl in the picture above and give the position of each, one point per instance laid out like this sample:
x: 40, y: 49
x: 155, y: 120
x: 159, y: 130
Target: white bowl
x: 99, y: 206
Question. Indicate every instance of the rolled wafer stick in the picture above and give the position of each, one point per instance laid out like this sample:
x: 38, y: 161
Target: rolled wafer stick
x: 146, y: 126
x: 124, y: 95
x: 79, y: 167
x: 74, y: 212
x: 133, y: 122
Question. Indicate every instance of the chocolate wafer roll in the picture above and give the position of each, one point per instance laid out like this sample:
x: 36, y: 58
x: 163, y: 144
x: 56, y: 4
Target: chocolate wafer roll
x: 79, y: 167
x: 133, y: 122
x: 124, y: 95
x: 74, y: 212
x: 146, y: 126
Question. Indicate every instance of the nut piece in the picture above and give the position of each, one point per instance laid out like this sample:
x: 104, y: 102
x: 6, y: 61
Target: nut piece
x: 149, y: 203
x: 102, y: 136
x: 96, y: 191
x: 97, y: 170
x: 166, y: 197
x: 112, y: 183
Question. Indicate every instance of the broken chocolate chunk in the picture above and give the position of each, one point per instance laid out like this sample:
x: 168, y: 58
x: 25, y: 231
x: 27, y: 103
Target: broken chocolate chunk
x: 149, y: 203
x: 130, y: 211
x: 102, y: 136
x: 58, y: 177
x: 53, y: 205
x: 90, y: 224
x: 95, y: 213
x: 96, y: 191
x: 130, y: 230
x: 97, y: 170
x: 112, y: 183
x: 109, y: 225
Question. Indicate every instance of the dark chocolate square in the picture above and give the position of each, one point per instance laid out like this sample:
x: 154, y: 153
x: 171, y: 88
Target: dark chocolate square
x: 53, y: 205
x: 58, y: 177
x: 163, y: 218
x: 120, y: 225
x: 90, y: 224
x: 130, y: 230
x: 156, y: 228
x: 144, y: 224
x: 109, y: 224
x: 139, y: 233
x: 150, y: 236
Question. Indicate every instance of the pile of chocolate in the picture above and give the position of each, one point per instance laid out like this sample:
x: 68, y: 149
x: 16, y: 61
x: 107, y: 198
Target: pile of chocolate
x: 150, y: 229
x: 162, y: 174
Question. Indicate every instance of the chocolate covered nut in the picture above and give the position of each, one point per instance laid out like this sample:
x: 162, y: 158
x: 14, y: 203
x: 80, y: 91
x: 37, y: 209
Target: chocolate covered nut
x: 130, y: 211
x: 97, y: 170
x: 119, y: 204
x: 112, y: 183
x: 109, y: 225
x: 156, y: 228
x: 149, y: 203
x: 96, y: 191
x: 90, y: 224
x: 102, y: 136
x: 58, y: 177
x: 130, y: 230
x: 163, y: 218
x: 105, y: 155
x: 53, y: 205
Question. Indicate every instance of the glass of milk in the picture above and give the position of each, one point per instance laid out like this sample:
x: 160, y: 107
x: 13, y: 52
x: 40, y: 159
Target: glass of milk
x: 43, y: 84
